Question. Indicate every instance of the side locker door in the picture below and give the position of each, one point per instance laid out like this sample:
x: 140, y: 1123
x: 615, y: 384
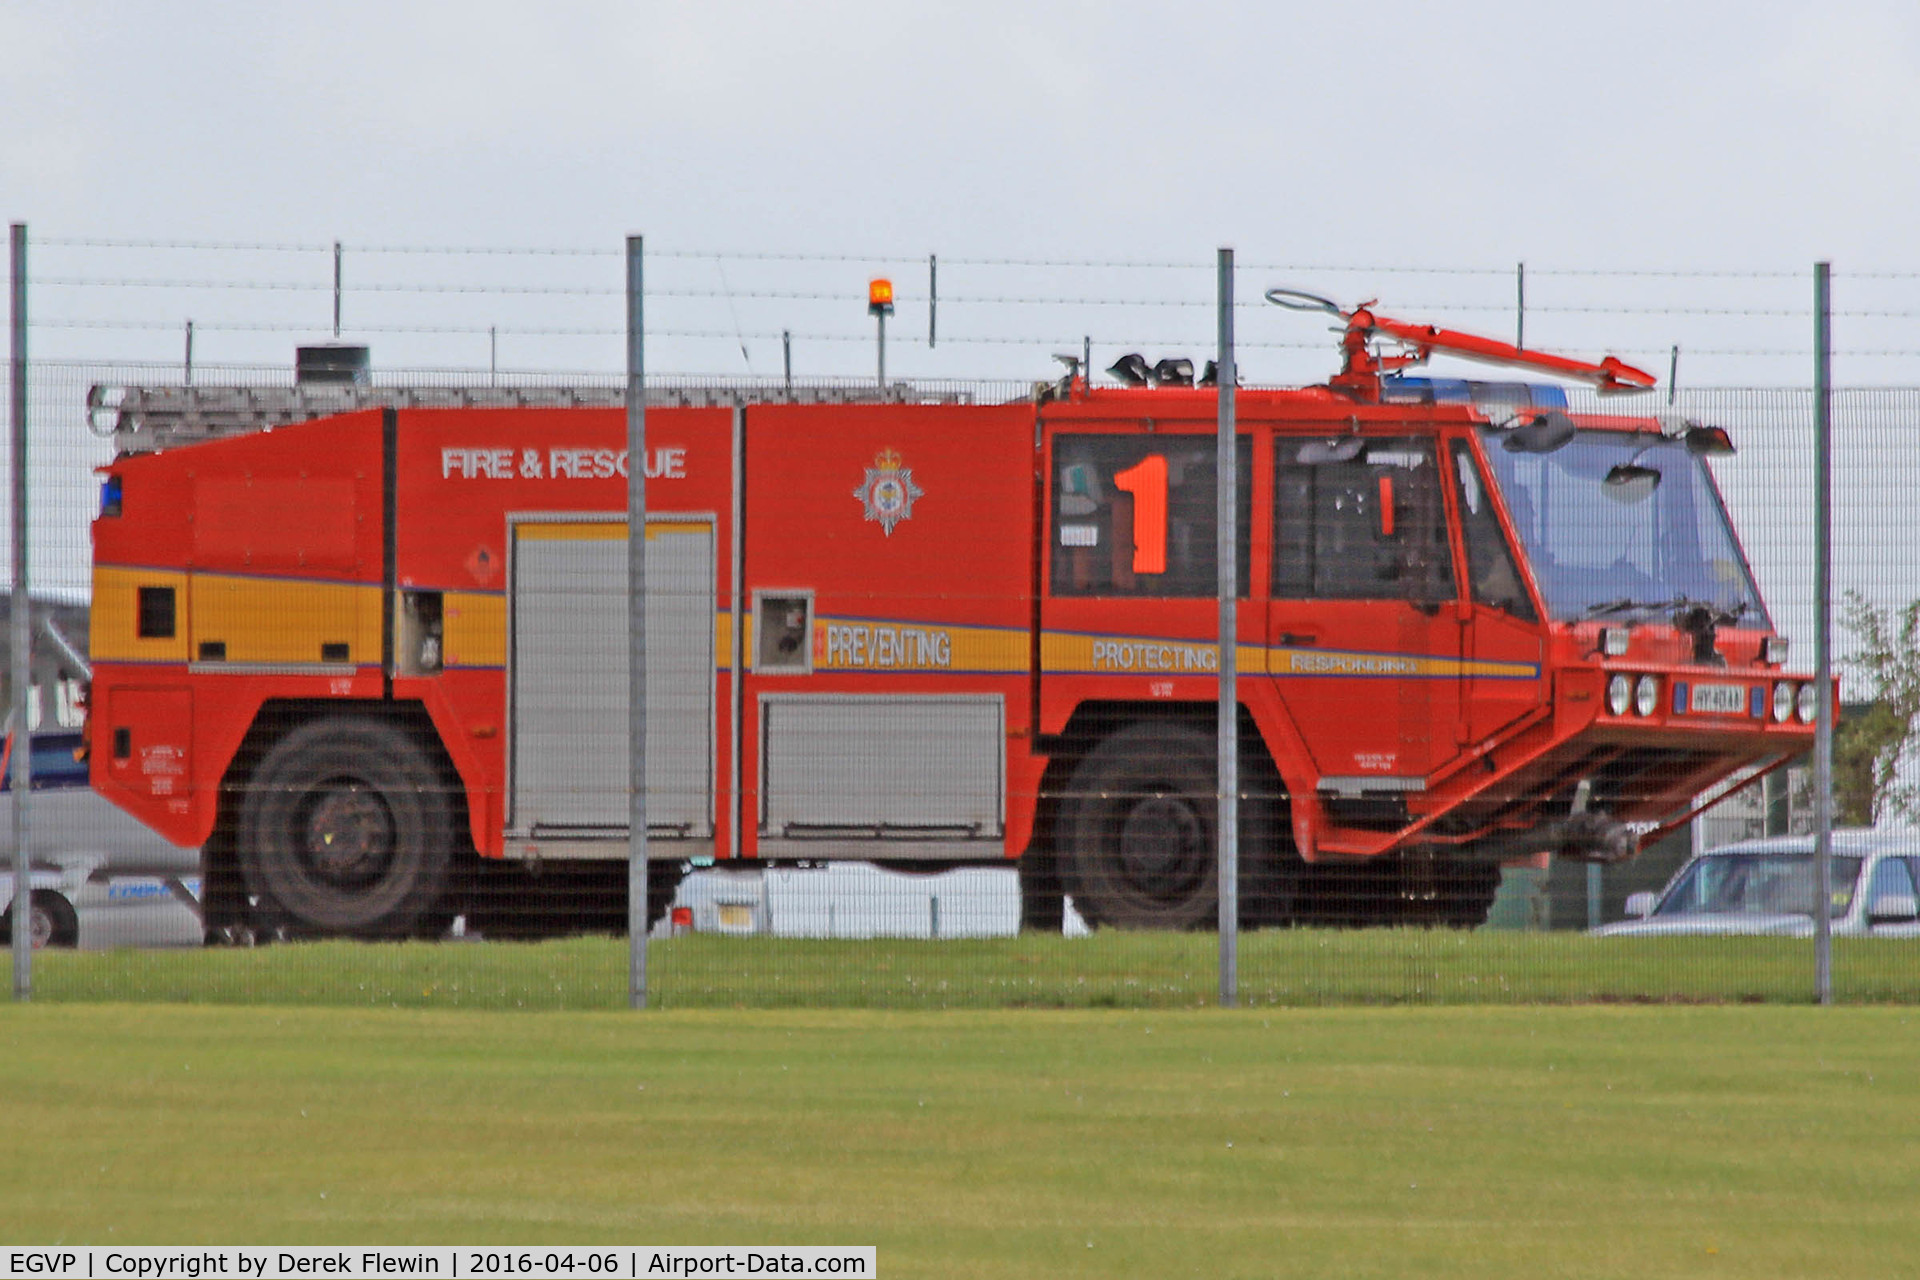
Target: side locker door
x: 1364, y: 635
x: 569, y: 688
x: 1503, y: 676
x: 887, y: 569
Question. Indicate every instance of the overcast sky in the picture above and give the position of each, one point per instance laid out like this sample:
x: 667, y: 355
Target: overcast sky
x: 1680, y: 135
x: 1692, y: 137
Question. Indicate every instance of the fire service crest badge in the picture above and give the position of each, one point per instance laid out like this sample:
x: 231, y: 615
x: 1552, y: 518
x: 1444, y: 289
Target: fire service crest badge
x: 888, y: 492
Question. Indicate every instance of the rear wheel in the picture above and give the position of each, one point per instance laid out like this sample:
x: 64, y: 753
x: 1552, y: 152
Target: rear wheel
x: 1135, y: 835
x: 346, y: 829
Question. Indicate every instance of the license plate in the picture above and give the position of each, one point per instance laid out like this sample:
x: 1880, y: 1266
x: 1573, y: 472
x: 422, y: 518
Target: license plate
x: 735, y: 915
x: 1724, y: 699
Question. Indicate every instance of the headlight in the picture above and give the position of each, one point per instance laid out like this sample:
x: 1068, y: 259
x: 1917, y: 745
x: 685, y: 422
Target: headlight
x: 1646, y: 695
x: 1809, y: 703
x: 1619, y: 694
x: 1613, y: 641
x: 1782, y: 702
x: 1773, y: 650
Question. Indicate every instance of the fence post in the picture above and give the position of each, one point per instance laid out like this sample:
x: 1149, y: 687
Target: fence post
x: 637, y: 876
x: 1823, y: 630
x: 1226, y: 548
x: 1520, y: 305
x: 22, y: 632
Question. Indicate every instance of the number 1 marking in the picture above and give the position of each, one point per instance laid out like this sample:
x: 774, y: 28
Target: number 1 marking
x: 1147, y: 482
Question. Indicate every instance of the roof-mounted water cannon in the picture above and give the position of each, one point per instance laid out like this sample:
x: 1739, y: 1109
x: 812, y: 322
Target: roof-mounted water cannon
x: 1364, y: 366
x: 1133, y: 370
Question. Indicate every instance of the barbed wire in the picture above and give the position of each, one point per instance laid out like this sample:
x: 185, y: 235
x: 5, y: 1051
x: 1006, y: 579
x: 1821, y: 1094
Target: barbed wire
x: 346, y: 246
x: 964, y: 299
x: 1197, y: 341
x: 95, y: 242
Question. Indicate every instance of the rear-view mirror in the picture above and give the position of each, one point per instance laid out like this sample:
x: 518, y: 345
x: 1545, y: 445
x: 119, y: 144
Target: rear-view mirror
x: 1709, y: 442
x: 1550, y: 431
x: 1630, y: 483
x: 1641, y: 905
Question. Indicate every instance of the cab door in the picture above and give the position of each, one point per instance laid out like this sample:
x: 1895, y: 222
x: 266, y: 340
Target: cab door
x: 1503, y: 678
x: 1362, y: 627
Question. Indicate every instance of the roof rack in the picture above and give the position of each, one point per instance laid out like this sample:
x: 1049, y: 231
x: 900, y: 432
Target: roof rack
x: 150, y: 419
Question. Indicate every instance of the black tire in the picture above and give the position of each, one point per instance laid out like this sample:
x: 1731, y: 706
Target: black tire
x: 1135, y: 834
x: 224, y: 916
x: 1043, y: 904
x: 51, y: 922
x: 1467, y: 890
x: 346, y: 830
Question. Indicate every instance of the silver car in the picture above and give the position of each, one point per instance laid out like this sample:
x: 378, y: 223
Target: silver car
x: 100, y: 878
x: 81, y: 903
x: 1765, y: 886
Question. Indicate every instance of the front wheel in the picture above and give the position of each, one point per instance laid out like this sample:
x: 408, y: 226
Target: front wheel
x: 346, y: 830
x: 1136, y: 839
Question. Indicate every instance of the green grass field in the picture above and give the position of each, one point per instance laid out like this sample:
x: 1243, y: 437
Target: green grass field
x: 1391, y: 1142
x: 1107, y: 970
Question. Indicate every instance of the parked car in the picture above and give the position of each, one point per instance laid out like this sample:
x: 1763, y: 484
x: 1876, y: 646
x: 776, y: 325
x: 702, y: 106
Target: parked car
x: 1765, y: 886
x: 54, y: 922
x: 81, y: 902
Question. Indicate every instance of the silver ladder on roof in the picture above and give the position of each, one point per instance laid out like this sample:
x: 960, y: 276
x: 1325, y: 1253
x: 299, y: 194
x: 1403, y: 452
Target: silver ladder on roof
x: 150, y: 419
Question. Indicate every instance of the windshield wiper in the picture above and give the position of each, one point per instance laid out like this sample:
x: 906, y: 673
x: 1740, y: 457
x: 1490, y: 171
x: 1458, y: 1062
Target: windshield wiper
x: 1623, y: 605
x: 1678, y: 604
x: 1719, y: 614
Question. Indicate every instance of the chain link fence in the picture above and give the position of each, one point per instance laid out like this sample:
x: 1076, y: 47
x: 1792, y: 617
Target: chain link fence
x: 851, y: 758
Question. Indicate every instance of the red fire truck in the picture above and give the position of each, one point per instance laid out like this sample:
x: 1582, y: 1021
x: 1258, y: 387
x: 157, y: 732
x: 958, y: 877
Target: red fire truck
x: 368, y: 646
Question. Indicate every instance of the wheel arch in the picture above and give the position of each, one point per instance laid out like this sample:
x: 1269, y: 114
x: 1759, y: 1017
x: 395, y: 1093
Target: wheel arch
x: 1094, y: 722
x: 226, y: 906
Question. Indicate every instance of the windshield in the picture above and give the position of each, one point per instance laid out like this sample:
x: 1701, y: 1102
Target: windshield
x: 1758, y: 884
x: 1619, y: 549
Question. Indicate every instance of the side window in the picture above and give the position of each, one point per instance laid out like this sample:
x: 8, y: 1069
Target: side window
x: 1133, y: 515
x: 1493, y: 575
x: 1360, y: 520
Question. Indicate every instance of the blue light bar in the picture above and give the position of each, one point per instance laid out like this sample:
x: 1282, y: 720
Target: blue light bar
x: 1481, y: 395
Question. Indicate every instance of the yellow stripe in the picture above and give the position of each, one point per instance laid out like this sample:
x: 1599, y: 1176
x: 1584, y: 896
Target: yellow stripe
x: 287, y: 621
x: 113, y: 628
x: 474, y: 628
x: 1323, y: 663
x: 863, y: 644
x: 283, y: 620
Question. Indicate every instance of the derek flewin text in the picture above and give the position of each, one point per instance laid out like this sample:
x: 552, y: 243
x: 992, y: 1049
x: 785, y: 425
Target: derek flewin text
x: 533, y: 1262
